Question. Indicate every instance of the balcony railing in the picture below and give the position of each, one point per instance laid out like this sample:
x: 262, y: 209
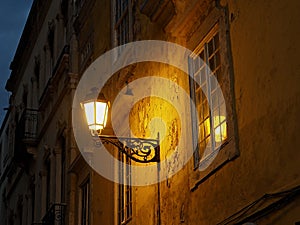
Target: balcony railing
x: 25, y: 134
x: 54, y: 216
x: 28, y: 125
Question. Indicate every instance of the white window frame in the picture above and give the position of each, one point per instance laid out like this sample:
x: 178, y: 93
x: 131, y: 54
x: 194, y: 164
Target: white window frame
x: 217, y: 20
x: 215, y: 121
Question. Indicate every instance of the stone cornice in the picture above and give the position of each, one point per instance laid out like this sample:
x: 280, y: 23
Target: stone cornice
x: 29, y: 36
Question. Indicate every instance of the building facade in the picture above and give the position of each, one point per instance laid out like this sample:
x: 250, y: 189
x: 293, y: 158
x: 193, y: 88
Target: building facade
x: 244, y: 168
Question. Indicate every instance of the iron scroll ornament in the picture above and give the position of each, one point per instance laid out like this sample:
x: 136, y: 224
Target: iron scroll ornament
x: 140, y: 150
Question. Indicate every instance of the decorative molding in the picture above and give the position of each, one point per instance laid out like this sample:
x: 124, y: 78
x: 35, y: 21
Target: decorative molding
x: 72, y: 80
x: 47, y: 152
x: 83, y: 12
x: 28, y: 39
x: 184, y: 22
x: 160, y: 12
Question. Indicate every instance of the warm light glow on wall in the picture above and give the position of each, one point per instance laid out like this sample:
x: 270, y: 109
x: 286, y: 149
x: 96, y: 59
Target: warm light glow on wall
x: 152, y: 115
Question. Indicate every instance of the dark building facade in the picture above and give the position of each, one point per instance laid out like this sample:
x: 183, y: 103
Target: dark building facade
x: 245, y: 167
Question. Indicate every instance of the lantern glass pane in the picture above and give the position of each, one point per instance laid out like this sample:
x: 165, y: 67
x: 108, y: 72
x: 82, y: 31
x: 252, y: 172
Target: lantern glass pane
x: 101, y: 113
x: 90, y: 113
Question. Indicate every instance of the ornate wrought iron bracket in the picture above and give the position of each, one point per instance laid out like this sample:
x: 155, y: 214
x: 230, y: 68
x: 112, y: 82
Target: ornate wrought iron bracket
x: 140, y: 150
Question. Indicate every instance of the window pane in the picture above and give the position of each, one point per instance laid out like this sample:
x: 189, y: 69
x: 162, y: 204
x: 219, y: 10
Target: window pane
x: 213, y: 82
x: 208, y: 147
x: 217, y: 57
x: 122, y: 22
x: 201, y: 55
x: 215, y: 99
x: 198, y: 97
x: 196, y: 64
x: 212, y: 64
x: 210, y: 48
x: 205, y: 107
x: 202, y: 76
x: 221, y: 132
x: 197, y: 81
x: 216, y: 41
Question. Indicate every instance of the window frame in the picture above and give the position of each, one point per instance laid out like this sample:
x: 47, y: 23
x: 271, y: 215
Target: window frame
x: 86, y: 51
x: 63, y: 168
x: 126, y: 12
x: 86, y: 184
x: 48, y: 183
x: 205, y: 69
x: 229, y: 148
x: 124, y: 191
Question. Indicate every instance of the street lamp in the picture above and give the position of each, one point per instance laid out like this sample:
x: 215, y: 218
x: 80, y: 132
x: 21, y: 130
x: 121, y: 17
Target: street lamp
x: 96, y: 111
x: 141, y: 150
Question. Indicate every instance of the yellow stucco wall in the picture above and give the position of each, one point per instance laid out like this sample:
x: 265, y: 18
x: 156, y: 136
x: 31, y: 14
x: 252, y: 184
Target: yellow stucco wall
x: 264, y: 43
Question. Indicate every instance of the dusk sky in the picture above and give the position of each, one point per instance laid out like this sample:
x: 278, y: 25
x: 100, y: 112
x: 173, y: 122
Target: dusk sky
x: 13, y: 15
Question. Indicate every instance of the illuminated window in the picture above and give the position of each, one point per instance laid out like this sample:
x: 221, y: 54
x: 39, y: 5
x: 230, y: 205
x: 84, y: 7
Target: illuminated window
x: 211, y: 87
x: 125, y: 191
x: 210, y: 106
